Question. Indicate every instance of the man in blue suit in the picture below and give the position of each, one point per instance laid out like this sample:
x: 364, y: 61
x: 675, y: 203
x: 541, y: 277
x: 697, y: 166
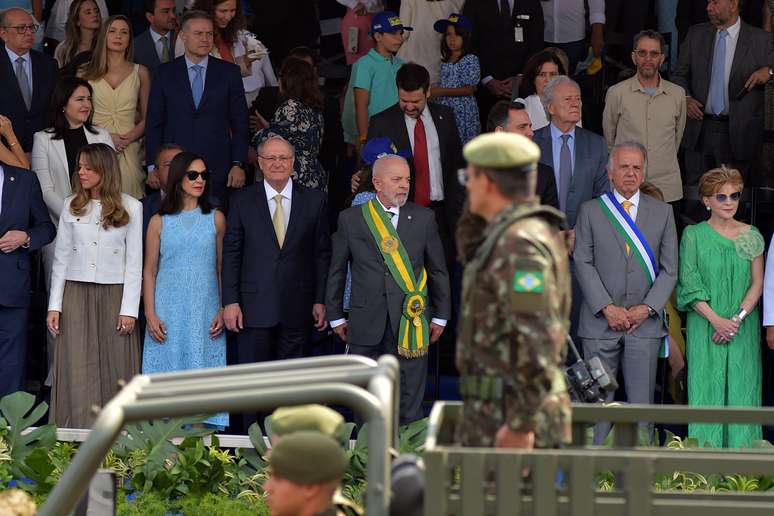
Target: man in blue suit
x: 198, y: 101
x: 579, y: 160
x: 156, y: 45
x: 24, y: 227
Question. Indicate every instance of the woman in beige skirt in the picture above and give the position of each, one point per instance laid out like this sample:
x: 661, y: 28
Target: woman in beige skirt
x: 95, y: 290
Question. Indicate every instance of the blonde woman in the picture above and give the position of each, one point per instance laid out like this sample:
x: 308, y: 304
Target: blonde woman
x: 81, y: 30
x: 95, y: 290
x: 121, y: 90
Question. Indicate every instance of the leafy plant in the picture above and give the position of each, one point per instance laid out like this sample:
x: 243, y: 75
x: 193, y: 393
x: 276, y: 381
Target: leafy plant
x: 18, y: 415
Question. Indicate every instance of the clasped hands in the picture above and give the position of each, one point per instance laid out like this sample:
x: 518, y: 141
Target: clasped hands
x: 625, y: 319
x: 725, y: 329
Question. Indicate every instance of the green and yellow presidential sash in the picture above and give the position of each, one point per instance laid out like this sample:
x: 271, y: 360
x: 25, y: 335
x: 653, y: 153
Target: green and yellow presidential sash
x: 413, y: 332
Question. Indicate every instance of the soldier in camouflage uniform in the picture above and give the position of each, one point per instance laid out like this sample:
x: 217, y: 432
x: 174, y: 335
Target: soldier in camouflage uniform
x: 515, y: 302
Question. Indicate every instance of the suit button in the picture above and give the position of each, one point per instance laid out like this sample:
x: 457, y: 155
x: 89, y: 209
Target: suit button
x: 75, y: 248
x: 92, y: 265
x: 115, y: 251
x: 94, y: 243
x: 97, y: 223
x: 77, y: 220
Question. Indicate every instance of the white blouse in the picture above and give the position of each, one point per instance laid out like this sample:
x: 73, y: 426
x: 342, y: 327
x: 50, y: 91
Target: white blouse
x: 86, y: 251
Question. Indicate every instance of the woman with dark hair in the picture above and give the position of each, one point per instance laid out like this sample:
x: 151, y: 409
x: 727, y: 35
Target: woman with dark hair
x: 83, y: 23
x: 299, y: 120
x: 181, y: 291
x: 95, y: 290
x: 121, y: 89
x: 539, y: 71
x: 460, y: 73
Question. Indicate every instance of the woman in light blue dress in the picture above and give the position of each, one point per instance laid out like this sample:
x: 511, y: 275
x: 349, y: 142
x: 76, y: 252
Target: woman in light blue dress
x: 185, y: 328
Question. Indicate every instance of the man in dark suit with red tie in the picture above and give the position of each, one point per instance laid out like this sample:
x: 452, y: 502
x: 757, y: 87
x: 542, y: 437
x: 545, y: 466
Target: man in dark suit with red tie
x: 429, y: 130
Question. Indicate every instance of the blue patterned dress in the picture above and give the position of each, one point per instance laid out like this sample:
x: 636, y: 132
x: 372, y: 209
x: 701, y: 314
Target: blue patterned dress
x: 187, y: 299
x: 465, y: 72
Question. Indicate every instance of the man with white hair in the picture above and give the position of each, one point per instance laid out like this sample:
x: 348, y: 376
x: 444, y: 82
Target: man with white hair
x: 577, y: 155
x: 400, y: 285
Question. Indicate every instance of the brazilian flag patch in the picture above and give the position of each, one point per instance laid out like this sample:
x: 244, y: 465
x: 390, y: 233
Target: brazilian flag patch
x: 528, y: 281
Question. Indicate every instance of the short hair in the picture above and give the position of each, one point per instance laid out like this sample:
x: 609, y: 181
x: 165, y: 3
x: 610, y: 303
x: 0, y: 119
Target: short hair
x: 6, y: 12
x: 275, y: 138
x: 149, y: 6
x: 194, y: 14
x: 713, y: 180
x: 498, y: 115
x: 652, y: 190
x: 512, y: 182
x: 627, y: 145
x: 412, y: 77
x: 379, y: 164
x: 651, y: 34
x: 550, y: 90
x: 167, y: 147
x: 532, y: 69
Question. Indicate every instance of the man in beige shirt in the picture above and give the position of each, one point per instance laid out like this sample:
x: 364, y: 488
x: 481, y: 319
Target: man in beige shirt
x: 651, y: 111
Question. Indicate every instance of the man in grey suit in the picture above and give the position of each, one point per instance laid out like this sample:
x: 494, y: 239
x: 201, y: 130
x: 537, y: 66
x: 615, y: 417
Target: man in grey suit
x: 577, y: 155
x: 157, y: 44
x: 723, y: 66
x: 380, y: 302
x: 626, y: 263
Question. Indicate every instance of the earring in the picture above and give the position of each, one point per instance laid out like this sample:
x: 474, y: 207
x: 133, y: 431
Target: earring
x: 707, y: 206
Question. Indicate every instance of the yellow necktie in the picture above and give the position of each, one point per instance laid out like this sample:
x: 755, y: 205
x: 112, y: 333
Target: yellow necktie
x: 627, y: 206
x: 278, y: 220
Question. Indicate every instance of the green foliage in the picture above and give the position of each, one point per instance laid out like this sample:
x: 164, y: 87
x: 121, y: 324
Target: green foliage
x: 205, y: 505
x: 5, y: 464
x: 18, y: 415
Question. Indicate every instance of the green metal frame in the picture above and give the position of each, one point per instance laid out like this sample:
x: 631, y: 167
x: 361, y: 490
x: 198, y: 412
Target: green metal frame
x: 368, y: 387
x: 487, y: 481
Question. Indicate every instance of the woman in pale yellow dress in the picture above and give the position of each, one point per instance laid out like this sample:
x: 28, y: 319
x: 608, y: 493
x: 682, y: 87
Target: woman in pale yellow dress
x: 121, y: 90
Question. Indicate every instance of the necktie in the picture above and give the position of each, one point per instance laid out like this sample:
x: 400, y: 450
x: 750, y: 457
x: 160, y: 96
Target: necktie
x: 197, y: 85
x: 421, y: 165
x: 505, y: 14
x: 24, y: 82
x: 717, y: 97
x: 627, y: 206
x: 164, y: 49
x: 391, y: 214
x: 278, y: 220
x: 565, y: 172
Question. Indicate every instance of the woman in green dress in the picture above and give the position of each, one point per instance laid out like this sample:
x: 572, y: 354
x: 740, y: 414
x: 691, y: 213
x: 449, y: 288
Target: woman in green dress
x: 720, y: 283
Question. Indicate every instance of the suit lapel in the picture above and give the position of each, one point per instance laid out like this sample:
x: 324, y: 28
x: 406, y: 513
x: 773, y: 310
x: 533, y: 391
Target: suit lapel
x: 185, y: 85
x: 405, y: 225
x: 296, y: 213
x: 59, y: 148
x: 210, y: 79
x: 740, y: 52
x: 710, y: 45
x: 9, y: 194
x: 404, y: 142
x: 38, y: 101
x: 6, y: 61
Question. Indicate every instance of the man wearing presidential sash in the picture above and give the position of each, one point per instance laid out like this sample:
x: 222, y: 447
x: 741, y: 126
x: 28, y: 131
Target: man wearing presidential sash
x: 626, y: 262
x: 400, y: 299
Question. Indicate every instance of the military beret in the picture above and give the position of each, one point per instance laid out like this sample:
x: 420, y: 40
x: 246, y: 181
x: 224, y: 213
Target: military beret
x: 322, y: 419
x: 502, y: 150
x: 308, y: 457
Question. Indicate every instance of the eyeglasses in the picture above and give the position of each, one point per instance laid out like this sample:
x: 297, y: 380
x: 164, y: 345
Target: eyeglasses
x: 645, y: 53
x: 721, y: 197
x: 275, y: 159
x: 21, y: 29
x: 193, y: 175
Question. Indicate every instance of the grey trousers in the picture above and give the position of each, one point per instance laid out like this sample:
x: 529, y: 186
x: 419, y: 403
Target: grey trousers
x: 638, y: 357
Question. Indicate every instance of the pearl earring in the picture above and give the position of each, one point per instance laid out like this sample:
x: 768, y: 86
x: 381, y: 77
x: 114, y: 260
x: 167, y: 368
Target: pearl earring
x: 707, y: 206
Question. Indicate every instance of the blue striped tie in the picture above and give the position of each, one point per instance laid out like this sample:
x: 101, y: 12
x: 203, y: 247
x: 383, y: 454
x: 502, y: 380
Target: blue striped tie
x: 197, y: 84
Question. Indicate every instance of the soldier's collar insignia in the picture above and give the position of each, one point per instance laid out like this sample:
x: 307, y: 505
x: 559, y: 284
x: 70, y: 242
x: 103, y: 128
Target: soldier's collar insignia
x: 528, y: 281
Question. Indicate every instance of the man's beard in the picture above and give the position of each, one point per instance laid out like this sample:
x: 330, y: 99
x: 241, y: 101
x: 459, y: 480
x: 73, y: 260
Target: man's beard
x: 398, y: 199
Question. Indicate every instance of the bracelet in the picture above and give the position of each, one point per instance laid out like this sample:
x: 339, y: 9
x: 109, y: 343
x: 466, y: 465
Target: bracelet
x: 11, y: 145
x: 741, y: 314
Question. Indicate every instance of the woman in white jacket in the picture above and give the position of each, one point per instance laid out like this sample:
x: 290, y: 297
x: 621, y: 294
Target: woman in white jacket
x: 95, y: 290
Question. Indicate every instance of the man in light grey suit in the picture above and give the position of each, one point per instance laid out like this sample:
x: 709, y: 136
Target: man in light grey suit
x: 378, y: 302
x: 157, y: 44
x: 579, y: 164
x: 626, y: 278
x: 723, y: 66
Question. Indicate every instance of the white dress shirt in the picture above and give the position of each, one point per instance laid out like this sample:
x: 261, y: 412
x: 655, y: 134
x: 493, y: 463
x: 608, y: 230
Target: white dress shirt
x: 634, y: 199
x: 731, y: 39
x: 565, y: 20
x: 27, y: 66
x: 287, y: 199
x: 433, y: 151
x: 86, y: 251
x: 395, y: 211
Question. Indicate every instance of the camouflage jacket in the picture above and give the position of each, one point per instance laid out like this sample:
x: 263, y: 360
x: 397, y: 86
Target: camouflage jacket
x: 515, y: 317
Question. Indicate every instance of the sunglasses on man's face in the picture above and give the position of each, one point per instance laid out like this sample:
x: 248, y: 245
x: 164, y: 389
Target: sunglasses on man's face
x: 192, y: 175
x: 721, y: 197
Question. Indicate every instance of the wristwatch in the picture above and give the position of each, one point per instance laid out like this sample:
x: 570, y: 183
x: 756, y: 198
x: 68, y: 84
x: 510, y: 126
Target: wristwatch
x: 237, y: 164
x: 26, y: 244
x: 652, y: 313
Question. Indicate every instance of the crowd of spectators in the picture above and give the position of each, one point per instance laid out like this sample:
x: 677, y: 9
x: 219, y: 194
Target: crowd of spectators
x: 194, y: 170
